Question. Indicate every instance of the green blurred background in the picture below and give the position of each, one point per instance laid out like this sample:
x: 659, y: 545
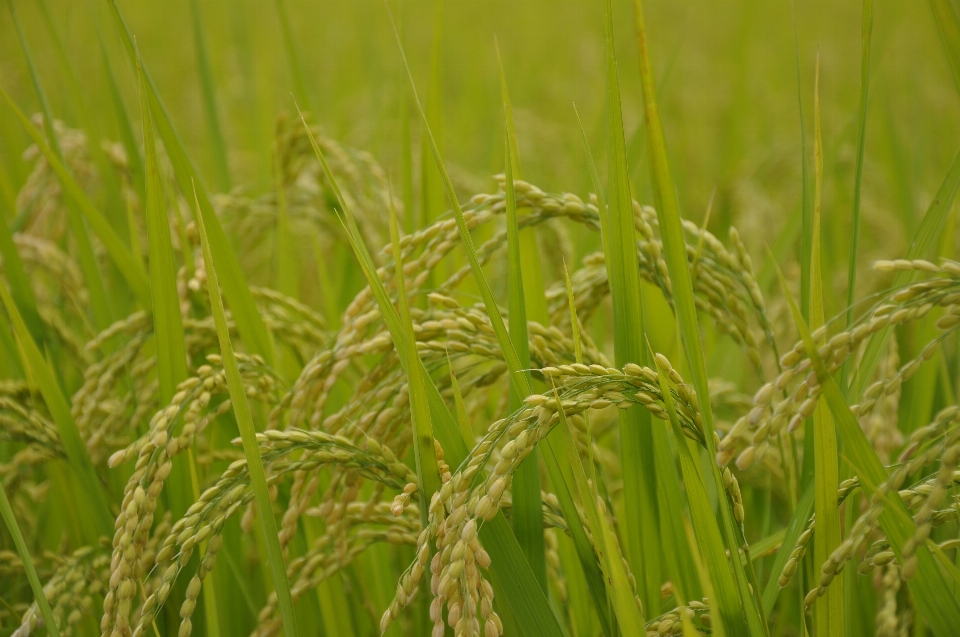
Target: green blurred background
x: 728, y: 72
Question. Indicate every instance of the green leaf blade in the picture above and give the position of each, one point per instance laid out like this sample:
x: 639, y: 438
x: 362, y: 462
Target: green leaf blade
x: 244, y: 309
x: 89, y: 490
x: 248, y: 434
x: 527, y: 503
x: 219, y: 145
x: 168, y: 325
x: 928, y: 586
x: 674, y: 247
x: 126, y: 263
x: 829, y: 609
x: 6, y: 512
x: 641, y: 524
x: 510, y: 568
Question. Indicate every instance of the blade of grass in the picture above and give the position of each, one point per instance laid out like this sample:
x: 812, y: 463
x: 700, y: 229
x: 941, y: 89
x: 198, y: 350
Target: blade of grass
x: 768, y: 545
x: 534, y: 289
x: 88, y: 262
x: 134, y: 230
x: 431, y: 188
x: 87, y: 490
x: 796, y: 526
x: 526, y: 277
x: 948, y: 24
x: 600, y: 602
x: 929, y: 588
x: 728, y: 619
x: 920, y: 246
x: 288, y: 274
x: 210, y: 617
x: 20, y: 287
x: 527, y: 505
x: 675, y: 254
x: 829, y: 609
x: 167, y: 322
x: 555, y: 455
x: 519, y: 378
x: 124, y: 125
x: 406, y: 165
x: 245, y: 313
x: 248, y: 434
x: 619, y: 590
x: 170, y: 346
x: 806, y: 226
x: 510, y: 569
x: 448, y: 432
x: 463, y: 419
x: 126, y: 263
x: 293, y: 57
x: 676, y: 554
x: 425, y: 455
x: 867, y: 35
x: 641, y: 524
x: 218, y: 144
x: 108, y: 175
x: 10, y: 361
x: 6, y: 511
x: 328, y: 293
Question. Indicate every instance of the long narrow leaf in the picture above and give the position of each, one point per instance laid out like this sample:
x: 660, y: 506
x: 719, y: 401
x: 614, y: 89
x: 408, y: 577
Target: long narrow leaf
x: 534, y: 291
x: 424, y: 446
x: 248, y: 434
x: 829, y: 609
x: 245, y: 313
x: 796, y: 526
x: 126, y: 263
x: 920, y: 246
x: 641, y: 525
x: 89, y: 491
x: 88, y: 261
x: 510, y: 569
x: 948, y: 24
x: 6, y: 512
x: 19, y: 283
x: 704, y: 523
x: 806, y: 226
x: 867, y: 35
x: 167, y: 323
x: 676, y: 554
x: 210, y: 99
x: 527, y: 504
x: 170, y: 345
x: 675, y: 254
x: 555, y: 455
x: 629, y: 616
x: 928, y: 586
x: 293, y: 57
x: 600, y: 601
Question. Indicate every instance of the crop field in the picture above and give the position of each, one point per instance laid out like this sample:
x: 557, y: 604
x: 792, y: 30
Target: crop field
x: 539, y: 318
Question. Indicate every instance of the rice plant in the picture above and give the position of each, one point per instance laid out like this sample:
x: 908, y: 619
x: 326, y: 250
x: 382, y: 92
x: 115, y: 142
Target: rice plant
x: 262, y: 381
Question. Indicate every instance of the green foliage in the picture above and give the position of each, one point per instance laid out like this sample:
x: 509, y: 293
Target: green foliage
x: 477, y: 406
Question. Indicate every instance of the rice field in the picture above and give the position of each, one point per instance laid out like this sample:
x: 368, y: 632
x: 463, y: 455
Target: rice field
x: 548, y: 319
